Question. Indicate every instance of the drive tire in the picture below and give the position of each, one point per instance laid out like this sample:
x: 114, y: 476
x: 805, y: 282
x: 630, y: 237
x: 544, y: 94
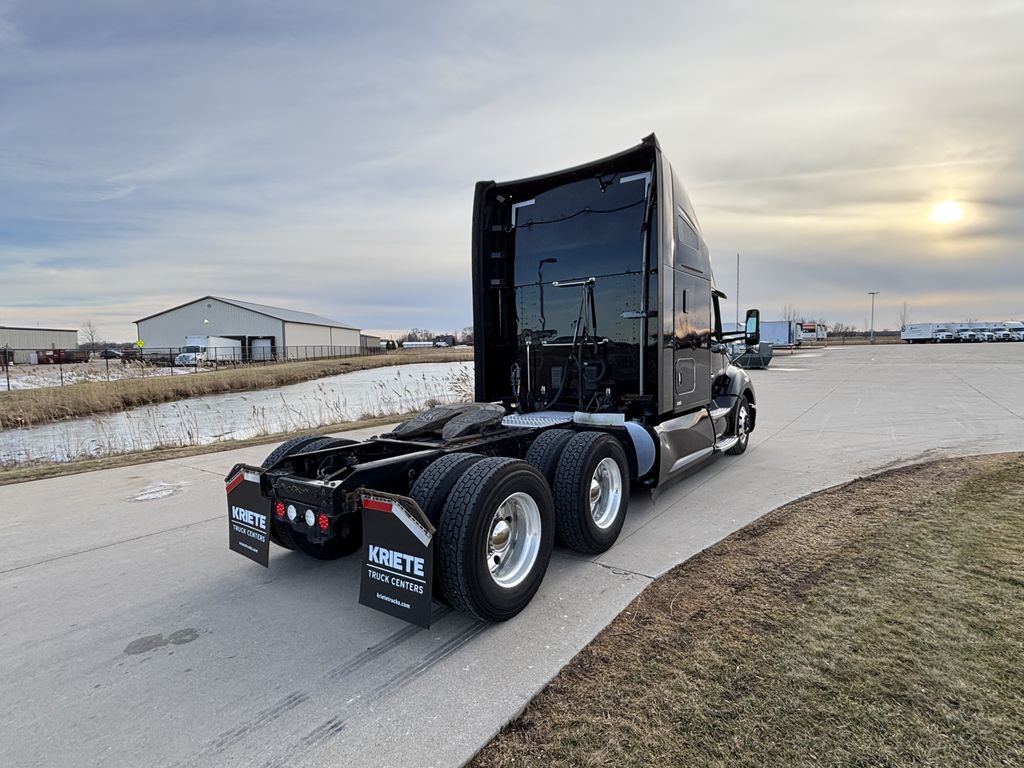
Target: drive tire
x: 431, y: 490
x: 547, y: 449
x: 591, y: 492
x: 744, y: 422
x: 545, y: 453
x: 328, y: 442
x: 288, y: 447
x: 474, y: 523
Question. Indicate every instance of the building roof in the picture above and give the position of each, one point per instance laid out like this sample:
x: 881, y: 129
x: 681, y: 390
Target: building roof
x: 287, y: 315
x: 34, y: 328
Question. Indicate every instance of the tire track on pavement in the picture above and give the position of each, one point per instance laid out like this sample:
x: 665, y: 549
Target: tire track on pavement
x: 332, y: 726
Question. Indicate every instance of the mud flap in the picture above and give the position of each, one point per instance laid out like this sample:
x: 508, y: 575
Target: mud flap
x: 398, y: 557
x: 248, y: 515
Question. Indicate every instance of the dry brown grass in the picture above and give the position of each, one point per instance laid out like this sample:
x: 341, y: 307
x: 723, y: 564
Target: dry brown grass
x: 22, y: 408
x: 878, y: 623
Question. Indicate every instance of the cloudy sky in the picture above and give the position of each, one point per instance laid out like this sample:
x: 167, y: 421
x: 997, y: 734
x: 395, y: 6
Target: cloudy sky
x: 322, y: 157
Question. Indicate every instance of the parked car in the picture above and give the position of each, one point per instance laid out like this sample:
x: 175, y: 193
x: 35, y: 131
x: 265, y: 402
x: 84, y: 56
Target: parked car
x: 111, y: 354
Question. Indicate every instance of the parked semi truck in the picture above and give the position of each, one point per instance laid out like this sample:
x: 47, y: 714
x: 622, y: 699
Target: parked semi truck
x: 203, y: 350
x: 600, y: 367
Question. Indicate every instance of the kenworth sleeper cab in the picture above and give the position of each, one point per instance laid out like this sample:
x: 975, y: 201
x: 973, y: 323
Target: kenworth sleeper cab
x: 600, y: 367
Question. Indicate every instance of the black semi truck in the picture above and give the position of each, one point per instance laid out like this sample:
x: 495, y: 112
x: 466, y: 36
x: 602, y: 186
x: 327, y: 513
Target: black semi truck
x: 600, y: 366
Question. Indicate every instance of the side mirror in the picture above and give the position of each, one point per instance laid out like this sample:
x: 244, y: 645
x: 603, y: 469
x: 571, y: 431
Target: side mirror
x: 752, y: 328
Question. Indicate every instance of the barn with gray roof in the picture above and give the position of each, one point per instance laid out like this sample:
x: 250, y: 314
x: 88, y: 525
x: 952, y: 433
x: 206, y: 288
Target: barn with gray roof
x: 266, y: 332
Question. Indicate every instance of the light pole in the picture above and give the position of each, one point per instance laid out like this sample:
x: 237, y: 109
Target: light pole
x: 737, y: 291
x: 873, y: 294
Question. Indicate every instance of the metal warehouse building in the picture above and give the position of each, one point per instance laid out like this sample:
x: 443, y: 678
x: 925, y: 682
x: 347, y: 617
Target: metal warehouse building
x: 265, y: 332
x: 25, y: 341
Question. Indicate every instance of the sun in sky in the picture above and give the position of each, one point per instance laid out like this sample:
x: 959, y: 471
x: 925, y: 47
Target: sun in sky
x: 946, y: 212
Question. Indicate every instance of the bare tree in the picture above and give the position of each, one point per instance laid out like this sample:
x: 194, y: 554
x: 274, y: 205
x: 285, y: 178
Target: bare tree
x: 841, y: 330
x: 789, y: 312
x: 417, y: 334
x: 91, y: 334
x: 466, y: 337
x: 903, y: 319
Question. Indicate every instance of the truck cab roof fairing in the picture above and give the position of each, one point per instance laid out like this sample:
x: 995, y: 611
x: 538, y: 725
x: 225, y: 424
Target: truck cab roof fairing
x: 544, y: 206
x: 606, y: 220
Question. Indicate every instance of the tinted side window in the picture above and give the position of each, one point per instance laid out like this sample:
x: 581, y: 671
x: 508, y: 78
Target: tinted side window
x: 690, y: 249
x: 686, y: 235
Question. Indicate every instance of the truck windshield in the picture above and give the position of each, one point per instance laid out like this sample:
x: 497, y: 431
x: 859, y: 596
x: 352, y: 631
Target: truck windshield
x: 589, y: 228
x: 192, y: 349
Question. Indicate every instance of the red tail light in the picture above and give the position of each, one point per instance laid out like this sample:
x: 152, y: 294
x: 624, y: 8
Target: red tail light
x: 279, y: 510
x: 323, y: 521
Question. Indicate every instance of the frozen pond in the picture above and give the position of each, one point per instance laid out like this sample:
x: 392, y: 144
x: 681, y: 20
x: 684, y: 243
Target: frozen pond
x: 238, y: 415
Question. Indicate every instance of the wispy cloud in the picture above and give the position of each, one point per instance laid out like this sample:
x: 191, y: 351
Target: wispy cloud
x: 9, y: 34
x: 323, y: 157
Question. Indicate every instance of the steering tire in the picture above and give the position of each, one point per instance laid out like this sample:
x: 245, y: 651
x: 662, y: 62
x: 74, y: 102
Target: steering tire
x: 744, y: 422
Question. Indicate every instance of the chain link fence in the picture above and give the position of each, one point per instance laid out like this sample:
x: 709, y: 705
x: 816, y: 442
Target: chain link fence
x: 30, y: 368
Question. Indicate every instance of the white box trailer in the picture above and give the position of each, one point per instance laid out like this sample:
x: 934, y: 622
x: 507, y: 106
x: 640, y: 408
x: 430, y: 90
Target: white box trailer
x: 920, y: 333
x: 781, y: 333
x: 201, y: 350
x: 813, y: 332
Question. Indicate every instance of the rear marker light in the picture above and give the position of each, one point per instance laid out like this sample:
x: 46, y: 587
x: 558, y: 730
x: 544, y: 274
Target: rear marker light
x: 323, y: 521
x: 292, y: 513
x: 310, y: 518
x: 279, y: 510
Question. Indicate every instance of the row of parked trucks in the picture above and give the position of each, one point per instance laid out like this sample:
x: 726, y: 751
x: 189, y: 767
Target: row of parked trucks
x: 945, y: 333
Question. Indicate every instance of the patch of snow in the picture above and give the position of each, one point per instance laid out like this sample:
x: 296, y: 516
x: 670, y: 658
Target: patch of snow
x: 239, y: 415
x: 36, y: 376
x: 158, y: 490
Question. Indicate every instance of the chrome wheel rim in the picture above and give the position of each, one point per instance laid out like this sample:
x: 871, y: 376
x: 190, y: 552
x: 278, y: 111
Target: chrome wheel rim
x: 513, y: 540
x: 743, y: 424
x: 605, y: 492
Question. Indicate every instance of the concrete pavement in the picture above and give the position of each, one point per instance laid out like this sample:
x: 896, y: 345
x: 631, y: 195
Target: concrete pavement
x: 131, y: 635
